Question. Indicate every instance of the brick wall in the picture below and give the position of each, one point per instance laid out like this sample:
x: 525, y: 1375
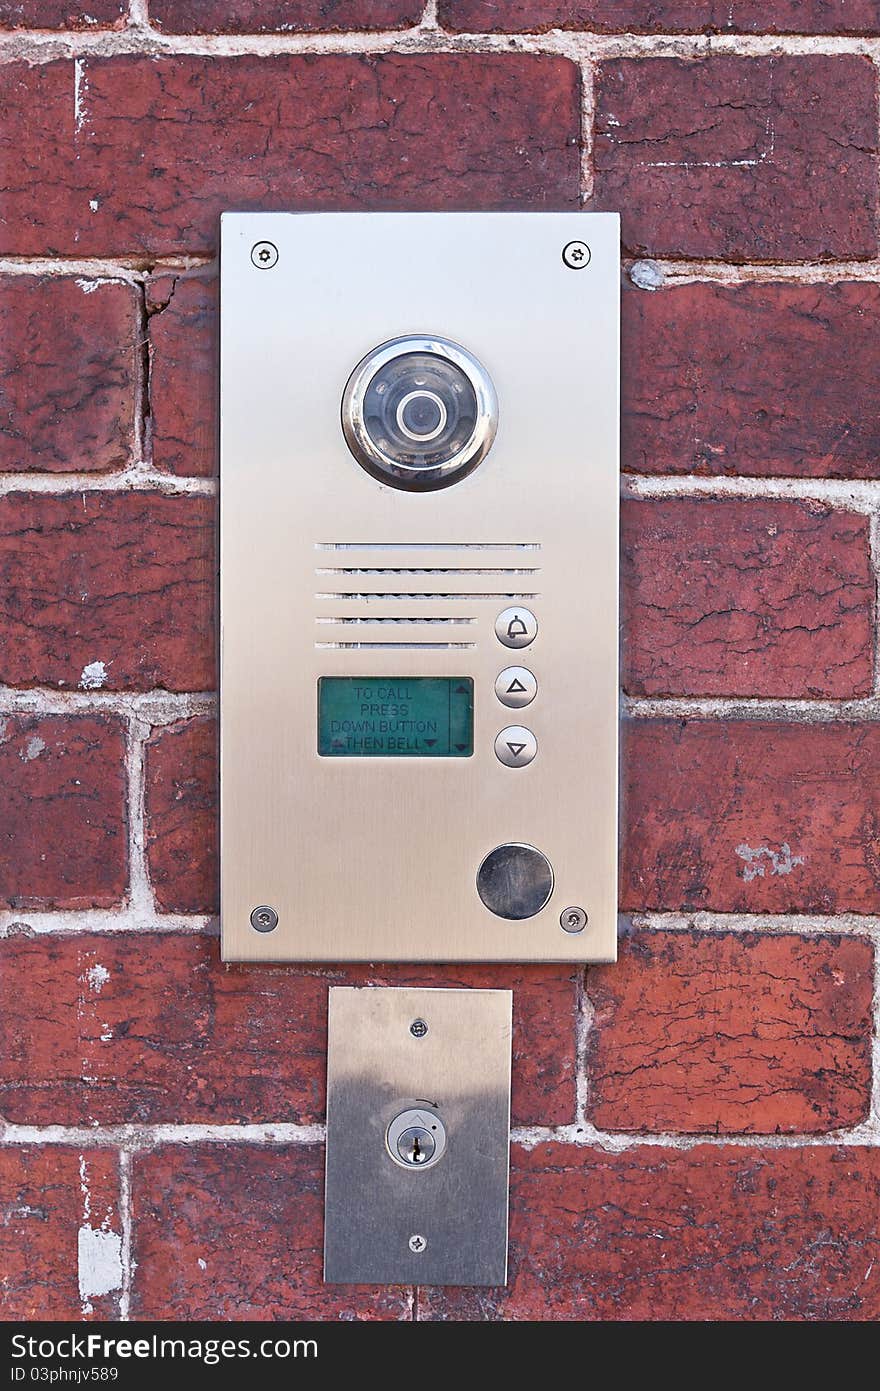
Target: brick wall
x: 695, y: 1134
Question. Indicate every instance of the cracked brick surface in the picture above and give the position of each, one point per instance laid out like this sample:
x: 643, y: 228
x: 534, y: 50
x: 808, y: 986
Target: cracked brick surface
x: 770, y: 379
x: 236, y: 1232
x: 281, y: 16
x: 719, y: 157
x: 67, y: 374
x: 106, y: 590
x: 162, y: 146
x: 716, y: 1232
x: 757, y: 598
x: 115, y: 1028
x: 62, y: 14
x: 59, y: 1205
x: 750, y: 816
x: 664, y: 16
x: 731, y: 1033
x: 62, y: 815
x: 184, y: 356
x: 181, y: 816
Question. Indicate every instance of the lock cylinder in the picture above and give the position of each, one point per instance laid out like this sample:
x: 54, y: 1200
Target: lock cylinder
x: 416, y: 1138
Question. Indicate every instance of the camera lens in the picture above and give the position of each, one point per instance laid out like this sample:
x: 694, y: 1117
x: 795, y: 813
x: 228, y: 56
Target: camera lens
x: 419, y: 413
x: 420, y: 409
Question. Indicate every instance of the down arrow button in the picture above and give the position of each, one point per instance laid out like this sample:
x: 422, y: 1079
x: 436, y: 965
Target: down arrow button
x: 516, y: 746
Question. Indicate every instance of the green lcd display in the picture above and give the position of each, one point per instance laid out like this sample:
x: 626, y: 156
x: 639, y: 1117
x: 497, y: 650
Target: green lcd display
x: 395, y: 716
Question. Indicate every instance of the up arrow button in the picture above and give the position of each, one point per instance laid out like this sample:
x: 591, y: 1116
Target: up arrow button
x: 516, y: 687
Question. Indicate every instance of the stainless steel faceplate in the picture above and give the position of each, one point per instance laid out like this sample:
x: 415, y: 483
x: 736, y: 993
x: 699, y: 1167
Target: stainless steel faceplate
x: 327, y: 571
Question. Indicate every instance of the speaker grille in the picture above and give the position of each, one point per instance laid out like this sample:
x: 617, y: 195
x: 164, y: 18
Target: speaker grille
x: 417, y: 594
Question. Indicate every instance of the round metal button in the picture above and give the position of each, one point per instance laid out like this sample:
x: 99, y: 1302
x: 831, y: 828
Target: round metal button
x: 515, y: 746
x: 516, y: 627
x: 516, y: 687
x: 515, y: 881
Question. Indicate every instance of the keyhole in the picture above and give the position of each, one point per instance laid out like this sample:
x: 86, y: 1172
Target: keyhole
x: 416, y: 1146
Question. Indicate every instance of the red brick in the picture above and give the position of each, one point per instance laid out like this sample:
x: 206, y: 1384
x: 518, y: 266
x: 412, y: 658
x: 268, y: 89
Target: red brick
x: 716, y: 1232
x: 663, y: 16
x: 767, y: 159
x: 63, y: 813
x: 751, y: 816
x: 183, y: 373
x: 753, y: 379
x: 731, y: 1033
x: 181, y: 816
x: 107, y: 589
x: 59, y: 1210
x: 67, y: 368
x: 759, y: 598
x: 62, y: 14
x: 236, y: 1232
x: 272, y: 16
x: 164, y: 145
x: 151, y: 1028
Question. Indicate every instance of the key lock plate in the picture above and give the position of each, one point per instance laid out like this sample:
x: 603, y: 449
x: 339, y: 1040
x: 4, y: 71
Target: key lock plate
x: 418, y: 1119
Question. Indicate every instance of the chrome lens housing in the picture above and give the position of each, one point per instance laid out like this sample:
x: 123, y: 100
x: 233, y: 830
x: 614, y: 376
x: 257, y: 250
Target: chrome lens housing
x: 419, y: 413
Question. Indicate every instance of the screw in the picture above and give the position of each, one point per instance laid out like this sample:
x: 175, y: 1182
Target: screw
x: 418, y: 1028
x: 417, y: 1243
x: 573, y: 919
x: 576, y: 255
x: 264, y: 919
x: 264, y: 255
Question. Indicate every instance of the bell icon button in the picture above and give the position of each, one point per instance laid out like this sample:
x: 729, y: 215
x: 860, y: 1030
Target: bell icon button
x: 516, y: 627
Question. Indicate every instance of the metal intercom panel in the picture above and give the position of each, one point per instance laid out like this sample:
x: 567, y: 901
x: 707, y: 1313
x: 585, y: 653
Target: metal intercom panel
x: 419, y: 541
